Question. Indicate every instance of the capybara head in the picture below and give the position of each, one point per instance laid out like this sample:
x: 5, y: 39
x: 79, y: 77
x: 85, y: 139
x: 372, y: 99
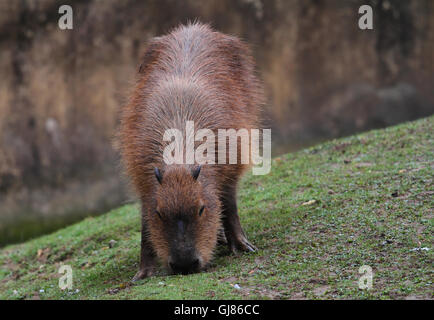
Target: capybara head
x: 186, y: 220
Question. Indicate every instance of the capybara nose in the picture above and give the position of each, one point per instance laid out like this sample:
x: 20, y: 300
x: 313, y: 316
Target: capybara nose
x: 184, y: 265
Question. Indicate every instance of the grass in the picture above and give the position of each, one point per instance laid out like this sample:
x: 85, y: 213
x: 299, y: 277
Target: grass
x: 316, y: 218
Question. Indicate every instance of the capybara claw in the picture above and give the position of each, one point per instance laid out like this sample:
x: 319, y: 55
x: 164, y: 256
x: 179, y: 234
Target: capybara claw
x: 142, y: 274
x: 251, y: 247
x: 242, y: 245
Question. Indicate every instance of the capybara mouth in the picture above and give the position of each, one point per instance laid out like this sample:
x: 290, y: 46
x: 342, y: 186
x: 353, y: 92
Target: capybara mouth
x: 182, y: 267
x: 183, y: 272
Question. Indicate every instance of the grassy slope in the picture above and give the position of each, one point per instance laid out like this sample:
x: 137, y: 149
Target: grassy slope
x: 373, y: 203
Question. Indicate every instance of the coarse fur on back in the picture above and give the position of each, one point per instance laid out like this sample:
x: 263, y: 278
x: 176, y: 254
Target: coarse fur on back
x: 191, y: 74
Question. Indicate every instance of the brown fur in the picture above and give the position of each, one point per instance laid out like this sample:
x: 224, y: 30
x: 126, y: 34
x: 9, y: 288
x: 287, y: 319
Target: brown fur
x: 195, y: 74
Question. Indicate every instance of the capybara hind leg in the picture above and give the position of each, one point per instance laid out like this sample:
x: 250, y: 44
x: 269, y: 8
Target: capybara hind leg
x: 147, y: 257
x: 236, y: 238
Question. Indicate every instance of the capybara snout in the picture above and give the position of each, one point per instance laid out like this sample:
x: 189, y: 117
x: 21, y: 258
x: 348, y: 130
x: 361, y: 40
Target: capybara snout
x: 184, y: 257
x: 184, y: 262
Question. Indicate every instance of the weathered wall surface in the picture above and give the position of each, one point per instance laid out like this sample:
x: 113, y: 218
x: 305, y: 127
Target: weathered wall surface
x: 60, y: 91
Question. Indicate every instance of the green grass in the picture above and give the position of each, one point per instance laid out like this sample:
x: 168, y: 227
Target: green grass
x: 316, y: 218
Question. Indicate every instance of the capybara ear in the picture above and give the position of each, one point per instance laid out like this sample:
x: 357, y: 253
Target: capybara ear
x: 195, y: 172
x: 151, y: 54
x: 158, y: 175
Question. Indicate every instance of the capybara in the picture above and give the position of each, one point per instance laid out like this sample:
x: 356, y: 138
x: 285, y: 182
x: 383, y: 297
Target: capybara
x: 200, y: 75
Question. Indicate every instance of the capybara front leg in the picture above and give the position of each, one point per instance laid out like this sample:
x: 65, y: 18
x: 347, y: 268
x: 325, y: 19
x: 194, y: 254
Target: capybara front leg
x: 236, y: 238
x: 147, y: 264
x: 221, y: 237
x: 147, y: 256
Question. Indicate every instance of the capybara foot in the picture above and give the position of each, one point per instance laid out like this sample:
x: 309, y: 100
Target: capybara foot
x: 240, y: 243
x: 143, y: 273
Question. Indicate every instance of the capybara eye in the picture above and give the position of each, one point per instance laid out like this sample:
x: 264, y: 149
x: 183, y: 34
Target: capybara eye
x: 157, y: 212
x: 201, y: 210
